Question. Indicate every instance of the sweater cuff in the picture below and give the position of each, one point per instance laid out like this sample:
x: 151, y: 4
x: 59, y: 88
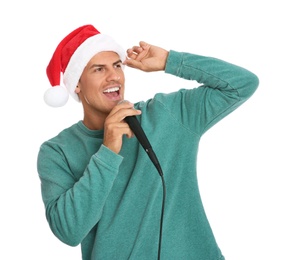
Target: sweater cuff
x: 108, y: 158
x: 173, y: 63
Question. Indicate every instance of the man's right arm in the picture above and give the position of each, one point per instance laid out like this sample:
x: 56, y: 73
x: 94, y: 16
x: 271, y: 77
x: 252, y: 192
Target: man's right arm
x: 73, y: 207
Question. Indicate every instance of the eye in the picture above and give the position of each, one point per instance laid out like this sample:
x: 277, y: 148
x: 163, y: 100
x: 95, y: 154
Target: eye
x: 99, y: 69
x: 119, y: 66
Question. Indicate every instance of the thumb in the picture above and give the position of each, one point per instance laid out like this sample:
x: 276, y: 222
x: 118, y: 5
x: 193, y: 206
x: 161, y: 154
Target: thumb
x: 144, y: 45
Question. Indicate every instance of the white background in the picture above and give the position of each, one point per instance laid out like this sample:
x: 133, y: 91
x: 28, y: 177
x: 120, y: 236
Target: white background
x: 243, y: 162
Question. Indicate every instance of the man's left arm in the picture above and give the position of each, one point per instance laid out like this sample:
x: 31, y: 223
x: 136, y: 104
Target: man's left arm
x: 224, y: 87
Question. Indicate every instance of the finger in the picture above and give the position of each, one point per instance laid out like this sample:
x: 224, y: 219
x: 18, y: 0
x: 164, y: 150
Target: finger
x: 120, y: 111
x: 138, y: 53
x: 144, y: 45
x: 130, y: 107
x: 130, y: 135
x: 132, y: 55
x: 129, y: 112
x: 115, y: 130
x: 135, y: 50
x: 113, y: 135
x: 121, y: 105
x: 124, y: 129
x: 132, y: 63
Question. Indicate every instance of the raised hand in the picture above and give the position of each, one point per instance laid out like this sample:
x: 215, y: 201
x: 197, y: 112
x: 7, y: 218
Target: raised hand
x: 146, y: 57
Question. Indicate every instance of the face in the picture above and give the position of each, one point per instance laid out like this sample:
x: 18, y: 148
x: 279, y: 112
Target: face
x: 101, y: 85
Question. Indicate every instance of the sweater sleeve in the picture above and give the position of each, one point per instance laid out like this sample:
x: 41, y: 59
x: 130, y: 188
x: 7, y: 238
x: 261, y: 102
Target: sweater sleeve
x: 224, y: 87
x: 68, y: 202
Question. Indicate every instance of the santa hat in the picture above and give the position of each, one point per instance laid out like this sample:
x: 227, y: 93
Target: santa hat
x: 70, y: 58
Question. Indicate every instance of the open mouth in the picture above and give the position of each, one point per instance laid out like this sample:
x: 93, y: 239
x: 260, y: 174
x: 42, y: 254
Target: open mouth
x: 112, y: 93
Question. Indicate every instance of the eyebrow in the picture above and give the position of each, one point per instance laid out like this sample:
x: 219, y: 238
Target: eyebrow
x: 103, y: 65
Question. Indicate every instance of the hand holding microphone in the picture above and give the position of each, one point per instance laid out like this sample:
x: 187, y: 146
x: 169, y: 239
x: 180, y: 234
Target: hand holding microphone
x: 115, y: 127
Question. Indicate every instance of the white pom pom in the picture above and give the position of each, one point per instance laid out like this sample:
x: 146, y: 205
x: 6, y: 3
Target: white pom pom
x: 56, y: 96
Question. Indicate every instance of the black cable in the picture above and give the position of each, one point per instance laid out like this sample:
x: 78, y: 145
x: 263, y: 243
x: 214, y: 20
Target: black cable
x: 156, y: 163
x: 162, y: 215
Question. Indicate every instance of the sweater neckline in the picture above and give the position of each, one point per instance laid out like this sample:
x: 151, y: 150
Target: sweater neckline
x: 87, y: 131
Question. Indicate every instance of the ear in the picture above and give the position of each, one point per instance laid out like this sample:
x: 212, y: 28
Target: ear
x: 77, y: 90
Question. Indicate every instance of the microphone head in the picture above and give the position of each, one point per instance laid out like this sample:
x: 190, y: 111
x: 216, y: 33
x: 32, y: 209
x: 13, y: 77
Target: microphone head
x: 123, y: 101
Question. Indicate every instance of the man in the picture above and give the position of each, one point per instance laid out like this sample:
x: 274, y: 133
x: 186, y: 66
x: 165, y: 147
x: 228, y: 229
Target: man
x: 99, y: 187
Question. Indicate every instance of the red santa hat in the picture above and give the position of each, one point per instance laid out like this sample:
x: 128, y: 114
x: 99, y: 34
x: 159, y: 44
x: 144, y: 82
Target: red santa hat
x: 70, y: 58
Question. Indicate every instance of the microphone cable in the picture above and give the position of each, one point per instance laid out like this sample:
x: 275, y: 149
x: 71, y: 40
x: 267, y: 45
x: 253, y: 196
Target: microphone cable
x: 162, y: 212
x: 155, y: 161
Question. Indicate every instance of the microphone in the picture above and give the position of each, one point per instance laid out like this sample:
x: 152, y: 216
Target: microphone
x: 135, y: 126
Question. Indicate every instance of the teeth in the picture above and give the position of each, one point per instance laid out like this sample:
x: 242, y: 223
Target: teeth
x: 109, y: 90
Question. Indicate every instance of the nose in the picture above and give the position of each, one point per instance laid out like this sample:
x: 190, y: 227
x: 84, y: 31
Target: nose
x: 113, y: 76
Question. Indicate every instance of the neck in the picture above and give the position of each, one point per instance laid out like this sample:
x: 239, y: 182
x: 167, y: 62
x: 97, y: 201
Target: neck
x: 94, y: 121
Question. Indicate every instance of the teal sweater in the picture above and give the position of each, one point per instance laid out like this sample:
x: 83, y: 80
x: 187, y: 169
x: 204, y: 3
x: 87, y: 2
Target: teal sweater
x: 111, y: 203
